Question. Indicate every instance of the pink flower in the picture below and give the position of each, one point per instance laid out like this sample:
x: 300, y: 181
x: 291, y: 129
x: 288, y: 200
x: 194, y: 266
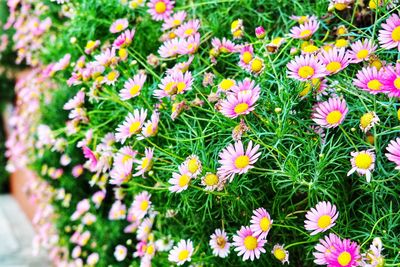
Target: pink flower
x: 132, y: 87
x: 369, y: 79
x: 189, y: 28
x: 235, y: 160
x: 394, y: 152
x: 125, y: 39
x: 304, y: 31
x: 120, y: 174
x: 224, y: 45
x: 219, y: 243
x: 247, y: 244
x: 171, y: 48
x: 306, y: 67
x: 345, y: 253
x: 190, y: 45
x: 160, y: 9
x: 362, y: 162
x: 334, y: 59
x: 321, y: 218
x: 361, y: 51
x: 120, y: 252
x: 180, y: 181
x: 331, y: 113
x: 176, y: 83
x: 144, y: 164
x: 141, y: 204
x: 324, y: 248
x: 119, y: 25
x: 246, y: 56
x: 75, y: 102
x: 391, y: 81
x: 261, y: 223
x: 132, y: 125
x: 389, y: 36
x: 182, y: 252
x: 241, y: 103
x: 260, y: 32
x: 174, y: 20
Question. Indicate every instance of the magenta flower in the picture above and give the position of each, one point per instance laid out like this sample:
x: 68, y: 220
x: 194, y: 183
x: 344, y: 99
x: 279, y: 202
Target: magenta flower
x: 160, y: 9
x: 391, y: 80
x: 370, y: 79
x: 362, y: 50
x: 324, y: 249
x: 304, y: 31
x: 321, y: 218
x: 394, y: 152
x: 261, y: 223
x: 334, y: 59
x: 389, y: 36
x: 345, y: 253
x: 331, y: 113
x: 247, y: 244
x: 306, y: 67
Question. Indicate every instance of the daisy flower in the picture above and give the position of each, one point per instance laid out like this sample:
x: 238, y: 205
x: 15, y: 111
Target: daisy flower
x: 324, y: 249
x: 273, y: 46
x: 144, y: 164
x: 120, y: 174
x: 256, y: 65
x: 117, y: 211
x: 246, y: 56
x: 241, y: 103
x: 303, y: 19
x: 174, y: 20
x: 280, y: 253
x: 111, y: 77
x: 362, y: 162
x: 160, y: 9
x: 125, y: 39
x: 190, y: 45
x: 171, y: 48
x: 321, y: 218
x: 361, y: 50
x: 339, y: 4
x: 368, y: 120
x: 389, y: 36
x: 189, y: 28
x: 219, y: 243
x: 345, y: 253
x: 132, y: 125
x: 391, y: 81
x: 224, y: 45
x: 176, y: 83
x: 334, y: 59
x: 77, y: 101
x: 180, y: 181
x: 132, y: 87
x: 394, y: 152
x: 144, y: 229
x: 141, y: 204
x: 119, y: 25
x: 304, y: 31
x: 193, y: 165
x: 125, y: 157
x: 235, y: 160
x: 260, y: 223
x: 226, y: 84
x: 306, y: 67
x: 120, y: 252
x: 212, y: 181
x: 331, y: 113
x: 247, y: 244
x: 182, y: 252
x: 369, y: 79
x: 150, y: 128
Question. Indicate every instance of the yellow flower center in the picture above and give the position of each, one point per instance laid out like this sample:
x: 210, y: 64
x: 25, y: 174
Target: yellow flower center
x: 250, y: 242
x: 366, y: 120
x: 373, y: 4
x: 183, y: 255
x: 234, y: 25
x: 374, y: 85
x: 170, y: 88
x: 189, y: 31
x: 324, y: 221
x: 134, y: 89
x: 90, y: 44
x: 306, y: 90
x: 377, y: 64
x: 238, y: 33
x: 184, y: 180
x: 334, y: 117
x: 160, y: 7
x: 145, y: 163
x: 134, y: 128
x: 265, y: 224
x: 340, y: 6
x: 119, y: 27
x: 240, y: 108
x: 226, y: 84
x: 303, y: 19
x: 193, y: 165
x: 341, y: 43
x: 221, y: 242
x: 144, y: 205
x: 242, y: 162
x: 362, y: 54
x: 181, y: 86
x: 305, y: 33
x: 363, y: 161
x: 256, y: 65
x: 150, y: 250
x: 310, y: 49
x: 211, y: 179
x: 341, y: 31
x: 397, y: 83
x: 333, y: 67
x: 125, y: 158
x: 306, y: 72
x: 279, y: 254
x: 247, y: 57
x: 176, y: 22
x: 344, y: 258
x: 112, y: 76
x: 396, y: 34
x: 123, y: 53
